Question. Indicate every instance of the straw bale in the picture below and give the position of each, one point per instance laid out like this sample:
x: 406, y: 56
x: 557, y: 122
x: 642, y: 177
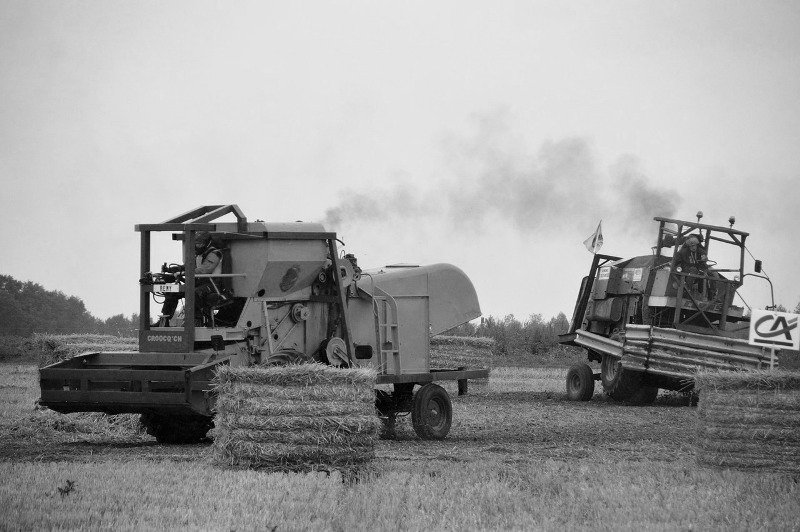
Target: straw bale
x: 353, y: 424
x: 297, y: 375
x: 266, y: 406
x: 759, y: 400
x: 749, y: 416
x: 451, y: 352
x: 746, y: 432
x: 334, y: 393
x: 747, y: 380
x: 301, y: 436
x: 295, y: 416
x: 749, y: 420
x: 746, y: 461
x: 765, y: 449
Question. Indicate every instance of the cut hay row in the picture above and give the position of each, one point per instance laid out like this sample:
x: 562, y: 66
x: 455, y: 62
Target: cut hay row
x: 451, y: 352
x: 51, y: 348
x: 749, y: 420
x: 302, y: 416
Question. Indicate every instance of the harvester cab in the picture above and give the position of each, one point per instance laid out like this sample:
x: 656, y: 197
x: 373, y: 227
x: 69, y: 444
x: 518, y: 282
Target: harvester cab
x: 283, y: 294
x: 683, y: 292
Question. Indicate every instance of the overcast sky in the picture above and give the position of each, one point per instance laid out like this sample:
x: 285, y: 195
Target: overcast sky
x: 491, y: 135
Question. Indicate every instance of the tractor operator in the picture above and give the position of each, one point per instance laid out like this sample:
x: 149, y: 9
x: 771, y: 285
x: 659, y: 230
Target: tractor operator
x: 692, y: 258
x: 208, y: 260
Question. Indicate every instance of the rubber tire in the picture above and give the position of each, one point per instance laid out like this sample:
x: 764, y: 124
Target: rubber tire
x: 177, y: 429
x: 431, y: 412
x: 580, y: 382
x: 645, y: 395
x: 620, y: 384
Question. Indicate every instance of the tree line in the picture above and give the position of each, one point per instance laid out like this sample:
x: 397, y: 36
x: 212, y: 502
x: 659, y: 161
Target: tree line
x: 27, y: 307
x: 531, y: 336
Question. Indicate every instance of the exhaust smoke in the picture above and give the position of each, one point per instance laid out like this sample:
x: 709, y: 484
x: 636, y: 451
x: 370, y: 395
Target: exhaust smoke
x: 495, y: 175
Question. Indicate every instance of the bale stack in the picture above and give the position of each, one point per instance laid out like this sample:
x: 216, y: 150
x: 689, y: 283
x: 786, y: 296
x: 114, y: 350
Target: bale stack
x: 449, y: 352
x: 749, y: 420
x: 295, y: 417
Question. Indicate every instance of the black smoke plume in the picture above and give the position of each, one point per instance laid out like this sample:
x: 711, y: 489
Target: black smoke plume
x: 494, y: 175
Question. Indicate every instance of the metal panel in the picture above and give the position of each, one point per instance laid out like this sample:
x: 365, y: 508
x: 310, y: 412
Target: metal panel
x: 598, y: 343
x: 433, y: 376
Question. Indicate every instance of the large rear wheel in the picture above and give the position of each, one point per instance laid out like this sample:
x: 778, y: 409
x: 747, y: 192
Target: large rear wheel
x: 620, y: 384
x: 431, y: 412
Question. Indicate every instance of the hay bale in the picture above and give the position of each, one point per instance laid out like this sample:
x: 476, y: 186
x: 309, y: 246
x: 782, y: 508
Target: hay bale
x: 295, y: 417
x: 451, y: 352
x: 749, y: 420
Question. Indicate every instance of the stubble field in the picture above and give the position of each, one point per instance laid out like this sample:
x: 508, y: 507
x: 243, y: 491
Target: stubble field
x: 519, y: 457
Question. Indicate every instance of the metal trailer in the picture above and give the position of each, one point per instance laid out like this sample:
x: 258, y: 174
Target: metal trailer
x: 653, y: 324
x: 285, y: 295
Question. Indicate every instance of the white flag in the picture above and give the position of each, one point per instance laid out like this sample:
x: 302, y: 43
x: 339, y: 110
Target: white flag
x: 595, y: 242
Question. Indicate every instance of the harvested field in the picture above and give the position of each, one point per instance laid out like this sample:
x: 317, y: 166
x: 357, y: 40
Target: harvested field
x: 518, y: 457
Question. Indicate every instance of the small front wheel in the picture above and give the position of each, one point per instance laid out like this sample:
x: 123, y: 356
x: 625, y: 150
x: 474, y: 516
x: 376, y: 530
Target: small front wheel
x: 431, y: 412
x: 580, y: 382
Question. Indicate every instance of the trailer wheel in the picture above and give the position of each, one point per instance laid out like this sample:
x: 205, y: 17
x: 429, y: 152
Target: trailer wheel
x: 618, y: 383
x: 177, y: 429
x: 432, y: 412
x: 644, y: 395
x: 580, y: 382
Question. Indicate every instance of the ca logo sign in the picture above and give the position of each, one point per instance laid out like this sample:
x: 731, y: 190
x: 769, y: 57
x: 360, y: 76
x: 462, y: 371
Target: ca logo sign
x: 778, y: 329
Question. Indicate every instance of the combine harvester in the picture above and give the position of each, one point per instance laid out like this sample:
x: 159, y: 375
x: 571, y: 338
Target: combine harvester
x: 284, y: 295
x: 653, y: 321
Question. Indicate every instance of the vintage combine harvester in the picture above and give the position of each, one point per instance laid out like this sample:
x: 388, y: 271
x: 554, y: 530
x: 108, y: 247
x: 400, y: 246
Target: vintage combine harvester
x: 652, y: 321
x: 284, y: 295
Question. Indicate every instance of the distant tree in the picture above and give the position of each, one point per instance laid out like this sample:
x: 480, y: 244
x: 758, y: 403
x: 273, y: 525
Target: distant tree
x: 119, y: 325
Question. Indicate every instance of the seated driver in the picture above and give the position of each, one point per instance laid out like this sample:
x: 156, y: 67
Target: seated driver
x: 208, y: 260
x: 692, y: 258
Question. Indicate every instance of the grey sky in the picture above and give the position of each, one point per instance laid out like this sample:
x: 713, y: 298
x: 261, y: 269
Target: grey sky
x: 490, y: 135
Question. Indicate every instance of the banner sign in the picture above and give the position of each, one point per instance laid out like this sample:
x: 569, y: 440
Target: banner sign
x: 774, y: 329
